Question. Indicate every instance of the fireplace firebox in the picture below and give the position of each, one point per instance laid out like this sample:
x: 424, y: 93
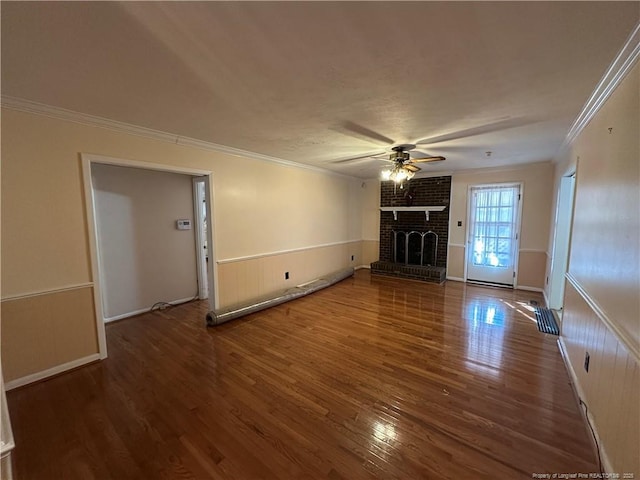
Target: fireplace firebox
x: 415, y: 248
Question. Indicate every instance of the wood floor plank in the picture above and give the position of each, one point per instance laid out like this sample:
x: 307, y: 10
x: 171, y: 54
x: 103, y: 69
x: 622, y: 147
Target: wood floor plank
x: 371, y: 378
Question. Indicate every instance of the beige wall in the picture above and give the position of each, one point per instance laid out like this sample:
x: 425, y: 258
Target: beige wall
x: 144, y: 258
x: 606, y: 226
x: 537, y: 180
x: 601, y: 306
x: 262, y: 208
x: 370, y: 221
x: 259, y: 208
x: 40, y: 332
x: 371, y: 210
x: 259, y: 274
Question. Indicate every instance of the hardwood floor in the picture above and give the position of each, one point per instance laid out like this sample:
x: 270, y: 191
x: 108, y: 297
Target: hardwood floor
x: 371, y: 378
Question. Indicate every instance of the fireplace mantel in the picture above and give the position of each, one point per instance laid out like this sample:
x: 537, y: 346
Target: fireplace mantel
x: 426, y: 210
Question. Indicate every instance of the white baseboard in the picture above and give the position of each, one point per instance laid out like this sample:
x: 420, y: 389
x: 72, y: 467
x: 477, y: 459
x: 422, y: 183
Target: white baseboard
x: 360, y: 267
x: 50, y: 372
x: 144, y: 310
x: 577, y: 389
x: 530, y: 289
x: 125, y: 315
x: 519, y: 287
x: 546, y: 299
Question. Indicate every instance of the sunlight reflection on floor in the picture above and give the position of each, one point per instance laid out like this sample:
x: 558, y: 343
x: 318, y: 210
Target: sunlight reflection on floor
x: 485, y: 338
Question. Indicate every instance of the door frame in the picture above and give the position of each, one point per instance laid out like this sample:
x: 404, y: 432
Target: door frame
x: 89, y: 205
x: 516, y: 247
x: 201, y: 263
x: 559, y: 266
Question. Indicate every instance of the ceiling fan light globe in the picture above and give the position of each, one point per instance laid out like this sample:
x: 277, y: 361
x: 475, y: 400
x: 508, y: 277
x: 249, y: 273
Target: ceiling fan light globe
x: 401, y: 175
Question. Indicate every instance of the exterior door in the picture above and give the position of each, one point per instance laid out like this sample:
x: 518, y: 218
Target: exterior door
x: 493, y: 233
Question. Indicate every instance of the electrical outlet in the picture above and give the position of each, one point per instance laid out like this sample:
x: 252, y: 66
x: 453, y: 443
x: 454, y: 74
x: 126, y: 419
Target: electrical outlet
x: 286, y: 275
x: 586, y: 361
x: 459, y: 223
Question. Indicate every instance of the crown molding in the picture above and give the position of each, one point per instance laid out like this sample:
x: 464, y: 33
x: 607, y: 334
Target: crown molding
x: 614, y: 75
x: 501, y: 168
x: 204, y: 145
x: 36, y: 108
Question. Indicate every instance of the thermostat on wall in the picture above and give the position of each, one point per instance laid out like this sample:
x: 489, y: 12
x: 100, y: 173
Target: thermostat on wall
x: 183, y: 224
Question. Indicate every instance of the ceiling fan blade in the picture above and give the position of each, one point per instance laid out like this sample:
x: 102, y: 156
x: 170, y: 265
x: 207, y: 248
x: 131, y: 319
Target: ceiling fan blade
x: 427, y: 159
x: 355, y: 130
x: 479, y: 130
x: 411, y: 168
x: 359, y: 158
x: 418, y: 154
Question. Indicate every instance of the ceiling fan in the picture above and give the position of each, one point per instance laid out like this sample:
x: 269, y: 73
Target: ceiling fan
x: 403, y: 158
x: 404, y: 161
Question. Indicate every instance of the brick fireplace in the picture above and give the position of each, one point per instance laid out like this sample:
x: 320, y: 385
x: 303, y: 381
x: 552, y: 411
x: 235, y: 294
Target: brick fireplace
x: 413, y: 243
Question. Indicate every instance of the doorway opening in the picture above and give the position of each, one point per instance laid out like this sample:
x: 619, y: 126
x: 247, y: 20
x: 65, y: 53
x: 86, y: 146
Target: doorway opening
x: 561, y: 239
x: 204, y: 191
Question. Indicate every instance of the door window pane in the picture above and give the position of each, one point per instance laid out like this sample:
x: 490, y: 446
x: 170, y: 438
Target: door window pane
x: 493, y: 216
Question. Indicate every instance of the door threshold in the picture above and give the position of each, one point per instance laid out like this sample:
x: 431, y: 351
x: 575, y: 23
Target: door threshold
x: 489, y: 284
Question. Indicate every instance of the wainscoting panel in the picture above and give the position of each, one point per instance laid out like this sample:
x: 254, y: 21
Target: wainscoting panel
x: 610, y: 387
x: 244, y: 279
x: 43, y: 331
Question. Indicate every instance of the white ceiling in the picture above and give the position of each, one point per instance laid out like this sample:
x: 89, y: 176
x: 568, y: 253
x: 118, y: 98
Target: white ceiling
x: 316, y: 82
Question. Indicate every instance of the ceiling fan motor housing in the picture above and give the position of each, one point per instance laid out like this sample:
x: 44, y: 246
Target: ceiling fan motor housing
x: 399, y: 156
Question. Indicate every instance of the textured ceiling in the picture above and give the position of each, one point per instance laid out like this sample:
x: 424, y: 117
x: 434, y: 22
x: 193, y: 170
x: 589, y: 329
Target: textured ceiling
x: 318, y: 82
